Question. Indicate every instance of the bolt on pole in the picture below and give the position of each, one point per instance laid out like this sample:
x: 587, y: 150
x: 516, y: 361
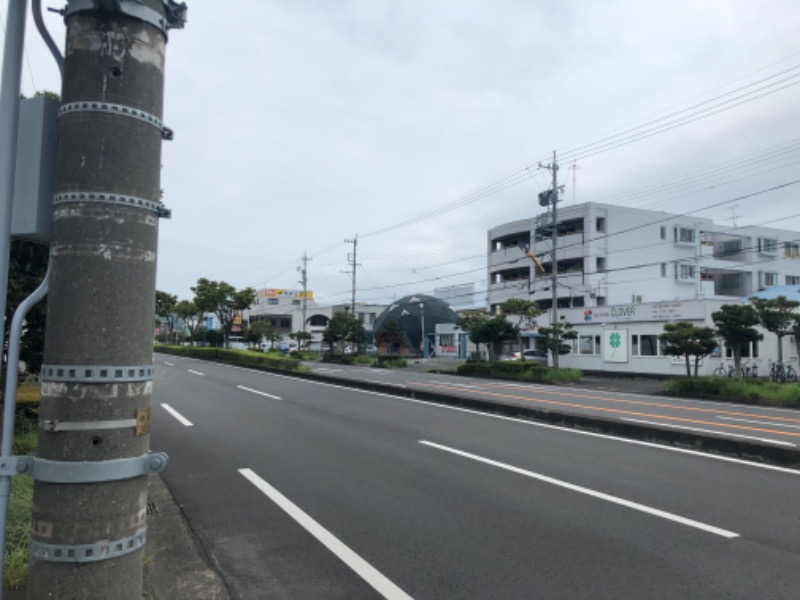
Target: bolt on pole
x: 88, y: 533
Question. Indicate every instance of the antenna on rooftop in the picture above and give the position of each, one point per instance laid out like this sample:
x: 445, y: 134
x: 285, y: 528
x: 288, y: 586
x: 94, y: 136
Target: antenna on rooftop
x: 733, y: 216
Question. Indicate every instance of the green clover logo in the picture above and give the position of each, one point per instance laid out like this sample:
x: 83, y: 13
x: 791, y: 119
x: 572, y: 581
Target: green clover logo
x: 615, y: 340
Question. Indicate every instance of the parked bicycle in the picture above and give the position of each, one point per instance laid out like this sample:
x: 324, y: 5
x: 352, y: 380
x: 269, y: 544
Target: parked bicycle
x: 722, y: 370
x: 782, y: 373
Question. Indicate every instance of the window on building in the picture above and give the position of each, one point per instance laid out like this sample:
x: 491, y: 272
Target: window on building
x: 730, y: 282
x: 793, y: 280
x: 296, y: 302
x: 644, y: 345
x: 601, y: 264
x: 748, y: 351
x: 600, y: 224
x: 663, y: 269
x: 447, y: 339
x: 731, y: 247
x: 767, y: 279
x: 685, y: 235
x: 601, y: 301
x: 791, y: 250
x: 663, y: 232
x: 767, y: 245
x: 272, y: 301
x: 684, y: 272
x: 586, y: 344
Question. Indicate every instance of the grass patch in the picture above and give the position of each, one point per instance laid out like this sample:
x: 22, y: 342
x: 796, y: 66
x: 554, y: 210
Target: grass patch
x: 747, y: 391
x: 15, y: 572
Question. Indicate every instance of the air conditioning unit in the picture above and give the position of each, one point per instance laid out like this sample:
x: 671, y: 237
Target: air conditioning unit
x: 637, y: 299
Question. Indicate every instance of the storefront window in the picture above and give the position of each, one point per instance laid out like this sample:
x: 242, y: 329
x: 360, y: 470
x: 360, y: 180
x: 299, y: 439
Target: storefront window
x: 644, y: 345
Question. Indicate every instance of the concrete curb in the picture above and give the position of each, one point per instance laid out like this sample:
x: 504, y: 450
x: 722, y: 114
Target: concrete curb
x: 175, y: 566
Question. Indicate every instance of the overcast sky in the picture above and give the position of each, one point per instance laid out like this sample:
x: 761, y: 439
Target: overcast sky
x: 302, y: 123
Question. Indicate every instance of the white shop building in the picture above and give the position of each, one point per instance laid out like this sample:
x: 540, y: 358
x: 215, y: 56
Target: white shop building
x: 624, y: 339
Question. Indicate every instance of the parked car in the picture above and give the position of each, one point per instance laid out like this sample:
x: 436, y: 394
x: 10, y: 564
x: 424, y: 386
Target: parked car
x: 238, y: 345
x: 536, y: 356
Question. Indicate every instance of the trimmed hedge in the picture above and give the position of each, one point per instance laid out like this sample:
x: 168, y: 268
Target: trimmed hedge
x: 339, y: 359
x: 745, y: 391
x: 390, y: 361
x: 519, y: 371
x: 243, y: 358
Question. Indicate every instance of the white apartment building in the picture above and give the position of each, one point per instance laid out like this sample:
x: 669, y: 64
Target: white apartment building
x: 624, y: 272
x: 615, y: 255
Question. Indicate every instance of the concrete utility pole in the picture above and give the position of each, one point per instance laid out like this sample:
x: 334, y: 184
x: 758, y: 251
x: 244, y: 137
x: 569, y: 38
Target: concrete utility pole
x: 553, y: 199
x: 89, y: 509
x: 304, y: 281
x: 354, y: 263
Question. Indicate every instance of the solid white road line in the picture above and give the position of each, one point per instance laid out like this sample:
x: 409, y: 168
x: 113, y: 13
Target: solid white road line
x: 602, y: 436
x: 195, y: 372
x: 169, y: 364
x: 722, y: 433
x: 364, y: 570
x: 773, y: 423
x: 252, y: 391
x: 582, y: 490
x: 183, y: 420
x: 382, y: 382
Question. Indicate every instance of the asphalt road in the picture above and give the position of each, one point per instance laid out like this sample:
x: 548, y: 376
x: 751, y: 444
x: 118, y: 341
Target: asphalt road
x: 764, y: 425
x: 299, y: 489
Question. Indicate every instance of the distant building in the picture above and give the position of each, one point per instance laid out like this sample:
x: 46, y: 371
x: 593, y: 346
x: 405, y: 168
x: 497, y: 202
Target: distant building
x: 625, y: 272
x: 618, y: 255
x: 284, y: 309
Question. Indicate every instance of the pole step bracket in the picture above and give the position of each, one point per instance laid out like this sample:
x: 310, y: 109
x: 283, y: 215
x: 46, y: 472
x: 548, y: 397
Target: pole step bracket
x: 117, y: 109
x: 96, y: 373
x: 109, y: 198
x: 58, y: 471
x: 87, y: 552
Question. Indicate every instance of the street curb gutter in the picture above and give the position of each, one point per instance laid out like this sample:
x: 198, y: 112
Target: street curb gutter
x: 175, y: 566
x: 752, y: 451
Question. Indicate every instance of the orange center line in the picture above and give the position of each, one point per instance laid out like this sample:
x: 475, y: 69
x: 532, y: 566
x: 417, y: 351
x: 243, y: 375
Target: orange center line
x: 614, y: 410
x: 660, y: 405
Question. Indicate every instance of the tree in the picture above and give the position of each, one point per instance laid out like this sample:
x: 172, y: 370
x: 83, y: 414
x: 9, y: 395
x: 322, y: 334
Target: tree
x: 778, y: 316
x: 735, y: 324
x: 302, y: 338
x: 165, y: 311
x: 191, y: 316
x: 392, y: 335
x: 525, y: 311
x: 483, y: 329
x: 27, y: 267
x: 264, y: 329
x: 223, y: 300
x: 684, y: 338
x: 343, y: 327
x: 554, y: 336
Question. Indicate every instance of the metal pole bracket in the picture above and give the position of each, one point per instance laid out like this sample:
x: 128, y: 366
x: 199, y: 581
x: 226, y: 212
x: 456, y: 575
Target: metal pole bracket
x: 175, y: 12
x: 57, y: 471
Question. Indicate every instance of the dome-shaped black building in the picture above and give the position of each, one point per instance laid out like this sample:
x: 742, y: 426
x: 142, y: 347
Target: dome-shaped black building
x: 412, y: 312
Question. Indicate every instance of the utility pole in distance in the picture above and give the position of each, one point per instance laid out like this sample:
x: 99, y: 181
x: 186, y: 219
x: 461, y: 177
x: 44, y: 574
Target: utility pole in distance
x: 304, y: 273
x: 552, y: 198
x: 354, y: 263
x: 89, y: 509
